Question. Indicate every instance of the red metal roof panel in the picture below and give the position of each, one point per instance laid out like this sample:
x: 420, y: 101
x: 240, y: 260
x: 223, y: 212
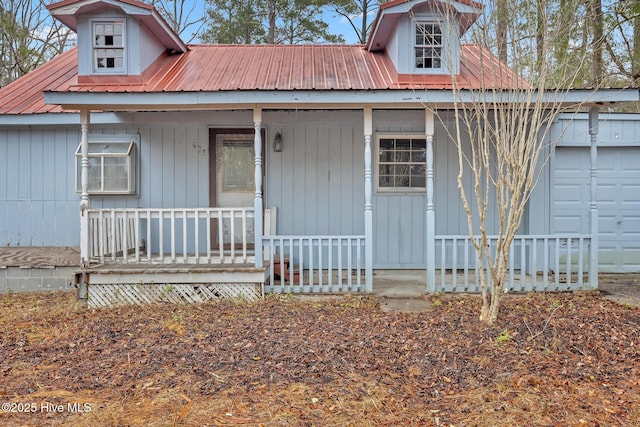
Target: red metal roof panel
x: 212, y: 68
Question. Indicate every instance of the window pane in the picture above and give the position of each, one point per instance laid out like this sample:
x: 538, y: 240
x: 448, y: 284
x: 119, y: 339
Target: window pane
x: 116, y: 175
x: 417, y: 181
x: 238, y: 171
x: 403, y: 144
x: 404, y: 166
x: 95, y: 174
x: 386, y: 144
x: 109, y: 147
x: 403, y: 156
x: 419, y: 156
x: 386, y: 181
x: 402, y: 182
x: 418, y: 143
x: 386, y: 169
x: 386, y: 156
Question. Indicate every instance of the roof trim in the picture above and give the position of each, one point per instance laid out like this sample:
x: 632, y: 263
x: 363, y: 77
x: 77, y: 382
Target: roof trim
x: 326, y: 99
x: 389, y: 13
x: 61, y: 119
x: 66, y: 12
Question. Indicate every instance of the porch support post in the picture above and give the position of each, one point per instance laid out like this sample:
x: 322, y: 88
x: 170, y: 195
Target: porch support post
x: 593, y: 206
x: 257, y: 203
x: 430, y: 246
x: 368, y: 208
x: 84, y: 183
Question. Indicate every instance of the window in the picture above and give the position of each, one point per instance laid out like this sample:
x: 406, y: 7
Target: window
x: 112, y: 165
x: 402, y: 163
x: 238, y: 169
x: 108, y: 47
x: 428, y: 48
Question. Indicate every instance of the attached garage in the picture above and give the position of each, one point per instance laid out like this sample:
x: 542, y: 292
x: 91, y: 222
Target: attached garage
x: 618, y: 190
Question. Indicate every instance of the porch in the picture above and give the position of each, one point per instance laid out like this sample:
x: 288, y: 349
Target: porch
x: 140, y: 256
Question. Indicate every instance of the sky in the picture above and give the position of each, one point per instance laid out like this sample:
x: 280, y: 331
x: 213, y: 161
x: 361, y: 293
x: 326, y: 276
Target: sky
x: 337, y: 24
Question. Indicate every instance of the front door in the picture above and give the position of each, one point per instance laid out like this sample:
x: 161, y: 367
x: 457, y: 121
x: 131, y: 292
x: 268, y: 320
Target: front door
x: 232, y: 179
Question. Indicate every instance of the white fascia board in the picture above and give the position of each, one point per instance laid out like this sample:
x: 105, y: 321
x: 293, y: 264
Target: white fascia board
x: 603, y: 115
x: 61, y: 119
x: 333, y: 99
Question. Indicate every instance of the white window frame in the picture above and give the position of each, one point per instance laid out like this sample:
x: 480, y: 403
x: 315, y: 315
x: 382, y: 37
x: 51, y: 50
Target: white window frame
x: 130, y: 154
x: 378, y: 163
x: 121, y: 47
x: 440, y: 47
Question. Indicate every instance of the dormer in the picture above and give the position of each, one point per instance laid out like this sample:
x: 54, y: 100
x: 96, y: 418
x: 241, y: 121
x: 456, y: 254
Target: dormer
x: 117, y: 39
x: 422, y: 37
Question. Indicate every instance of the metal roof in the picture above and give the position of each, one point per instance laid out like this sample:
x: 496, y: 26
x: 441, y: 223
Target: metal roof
x: 220, y: 68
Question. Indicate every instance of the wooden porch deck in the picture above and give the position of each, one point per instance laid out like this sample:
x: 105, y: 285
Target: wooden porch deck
x: 108, y: 285
x: 39, y: 256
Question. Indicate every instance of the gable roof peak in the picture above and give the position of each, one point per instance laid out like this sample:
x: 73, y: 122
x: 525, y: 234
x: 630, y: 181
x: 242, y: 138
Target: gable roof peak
x: 67, y: 11
x: 467, y: 11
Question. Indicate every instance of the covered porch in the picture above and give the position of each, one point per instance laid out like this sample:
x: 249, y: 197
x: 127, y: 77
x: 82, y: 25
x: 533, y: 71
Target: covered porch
x: 199, y: 253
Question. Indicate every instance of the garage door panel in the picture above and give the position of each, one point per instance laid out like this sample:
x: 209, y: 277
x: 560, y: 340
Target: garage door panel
x: 568, y: 196
x: 571, y: 223
x: 608, y: 224
x: 608, y: 196
x: 630, y: 226
x: 618, y: 193
x: 628, y: 164
x: 615, y: 260
x: 631, y: 196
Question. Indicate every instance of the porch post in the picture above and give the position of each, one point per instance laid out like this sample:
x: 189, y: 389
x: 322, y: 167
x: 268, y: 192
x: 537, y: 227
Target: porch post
x: 368, y: 208
x: 84, y: 183
x: 593, y: 206
x: 257, y: 203
x: 430, y: 246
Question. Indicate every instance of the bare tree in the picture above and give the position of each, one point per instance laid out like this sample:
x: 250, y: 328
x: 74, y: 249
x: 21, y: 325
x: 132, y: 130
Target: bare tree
x: 502, y: 136
x: 185, y: 17
x: 358, y: 14
x: 28, y: 37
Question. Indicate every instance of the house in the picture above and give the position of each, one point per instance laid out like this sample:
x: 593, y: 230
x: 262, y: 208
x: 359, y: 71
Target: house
x: 197, y: 171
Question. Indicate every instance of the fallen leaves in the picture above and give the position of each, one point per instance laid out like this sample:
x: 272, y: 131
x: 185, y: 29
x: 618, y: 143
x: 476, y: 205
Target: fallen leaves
x: 571, y: 359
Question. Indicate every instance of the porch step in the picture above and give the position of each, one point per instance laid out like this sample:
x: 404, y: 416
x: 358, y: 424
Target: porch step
x: 115, y: 285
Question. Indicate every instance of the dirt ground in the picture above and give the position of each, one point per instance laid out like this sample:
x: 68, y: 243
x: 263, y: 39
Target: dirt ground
x: 552, y: 359
x: 622, y: 288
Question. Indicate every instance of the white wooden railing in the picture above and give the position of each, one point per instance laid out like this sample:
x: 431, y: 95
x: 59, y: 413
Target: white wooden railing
x: 165, y: 236
x: 315, y: 264
x: 540, y: 263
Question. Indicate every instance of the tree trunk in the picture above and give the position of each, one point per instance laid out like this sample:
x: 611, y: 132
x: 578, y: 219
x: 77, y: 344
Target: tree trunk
x: 363, y: 27
x: 540, y: 32
x: 271, y: 34
x: 598, y: 42
x: 635, y: 60
x: 501, y: 29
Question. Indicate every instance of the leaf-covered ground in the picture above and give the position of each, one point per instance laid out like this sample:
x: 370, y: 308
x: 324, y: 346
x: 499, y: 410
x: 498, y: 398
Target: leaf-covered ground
x: 551, y: 360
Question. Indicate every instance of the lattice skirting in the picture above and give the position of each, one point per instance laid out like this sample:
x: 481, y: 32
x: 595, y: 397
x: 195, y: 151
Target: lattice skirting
x: 137, y: 294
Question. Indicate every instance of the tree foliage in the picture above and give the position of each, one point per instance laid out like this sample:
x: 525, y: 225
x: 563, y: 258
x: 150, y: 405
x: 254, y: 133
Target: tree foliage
x: 556, y: 30
x: 267, y: 21
x: 28, y: 37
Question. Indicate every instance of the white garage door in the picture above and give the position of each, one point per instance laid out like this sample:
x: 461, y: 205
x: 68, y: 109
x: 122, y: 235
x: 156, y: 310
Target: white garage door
x: 618, y: 198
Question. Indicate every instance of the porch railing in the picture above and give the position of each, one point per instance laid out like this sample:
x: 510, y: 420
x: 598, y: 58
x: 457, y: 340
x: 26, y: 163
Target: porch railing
x: 540, y: 263
x: 179, y: 236
x: 315, y: 264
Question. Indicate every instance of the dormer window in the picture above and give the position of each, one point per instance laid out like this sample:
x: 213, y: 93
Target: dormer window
x: 108, y: 47
x: 428, y: 47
